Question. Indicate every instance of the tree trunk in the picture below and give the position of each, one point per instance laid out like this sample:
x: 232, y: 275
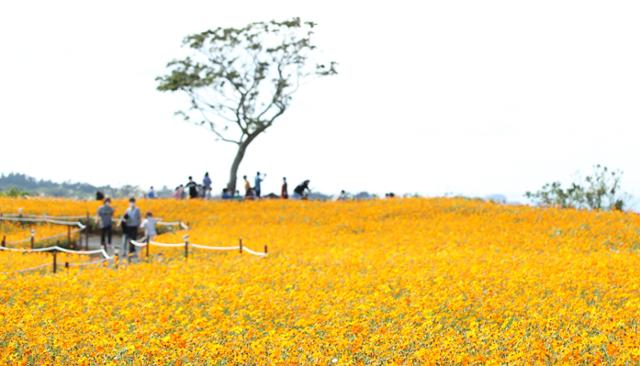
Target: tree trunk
x: 233, y: 175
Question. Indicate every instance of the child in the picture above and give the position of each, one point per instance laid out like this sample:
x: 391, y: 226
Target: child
x: 149, y: 226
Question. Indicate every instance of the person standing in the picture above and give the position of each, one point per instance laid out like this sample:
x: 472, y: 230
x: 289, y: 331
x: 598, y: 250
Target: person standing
x: 257, y: 187
x: 206, y: 185
x: 152, y: 193
x: 177, y: 193
x: 247, y: 188
x: 149, y: 226
x: 105, y: 218
x: 343, y: 196
x: 284, y: 191
x: 132, y: 220
x: 193, y: 188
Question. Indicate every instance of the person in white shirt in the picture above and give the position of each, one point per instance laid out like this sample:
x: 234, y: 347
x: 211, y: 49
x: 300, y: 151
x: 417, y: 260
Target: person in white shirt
x: 149, y: 226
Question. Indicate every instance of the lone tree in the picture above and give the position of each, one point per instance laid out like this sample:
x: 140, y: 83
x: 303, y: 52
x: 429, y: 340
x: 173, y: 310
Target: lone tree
x: 240, y: 80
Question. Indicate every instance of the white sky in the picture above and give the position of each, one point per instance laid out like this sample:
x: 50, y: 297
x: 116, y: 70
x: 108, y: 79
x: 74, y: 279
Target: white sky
x: 471, y: 97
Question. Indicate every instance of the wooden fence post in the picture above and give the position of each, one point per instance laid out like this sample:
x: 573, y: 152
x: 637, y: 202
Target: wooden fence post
x: 33, y: 238
x: 240, y: 245
x: 186, y: 247
x: 148, y: 245
x: 265, y: 250
x: 55, y: 260
x: 86, y: 232
x: 69, y: 236
x: 4, y: 241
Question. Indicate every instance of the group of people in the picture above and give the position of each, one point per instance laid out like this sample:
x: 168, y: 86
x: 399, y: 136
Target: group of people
x: 194, y: 190
x: 301, y: 191
x: 130, y: 222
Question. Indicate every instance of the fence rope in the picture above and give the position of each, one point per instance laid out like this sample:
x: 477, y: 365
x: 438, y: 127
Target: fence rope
x: 207, y: 247
x: 181, y: 224
x: 43, y: 220
x: 248, y: 250
x: 59, y: 249
x: 12, y: 215
x: 199, y: 246
x: 75, y: 231
x: 101, y: 251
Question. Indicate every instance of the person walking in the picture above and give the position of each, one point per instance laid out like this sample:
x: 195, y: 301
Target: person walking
x: 105, y: 219
x: 302, y: 190
x: 206, y: 186
x: 132, y: 220
x: 193, y: 188
x: 284, y: 190
x: 257, y: 187
x: 149, y: 226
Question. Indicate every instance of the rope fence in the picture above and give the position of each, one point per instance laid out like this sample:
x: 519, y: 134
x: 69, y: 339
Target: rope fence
x: 55, y: 249
x: 43, y: 221
x: 42, y: 240
x: 180, y: 224
x: 186, y: 245
x: 45, y: 217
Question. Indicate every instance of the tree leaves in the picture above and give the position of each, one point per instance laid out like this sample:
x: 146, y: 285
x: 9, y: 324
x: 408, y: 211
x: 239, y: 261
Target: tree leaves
x: 600, y: 191
x: 245, y: 76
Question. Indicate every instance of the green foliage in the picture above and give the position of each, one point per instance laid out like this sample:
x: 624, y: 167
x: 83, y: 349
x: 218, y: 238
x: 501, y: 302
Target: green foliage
x: 14, y: 193
x: 599, y: 191
x: 240, y: 80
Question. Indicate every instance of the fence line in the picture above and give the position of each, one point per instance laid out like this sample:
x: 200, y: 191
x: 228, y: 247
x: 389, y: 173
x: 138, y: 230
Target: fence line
x: 181, y: 224
x: 59, y: 220
x: 56, y: 248
x: 45, y: 239
x: 186, y: 244
x: 105, y: 256
x: 13, y: 215
x: 43, y: 220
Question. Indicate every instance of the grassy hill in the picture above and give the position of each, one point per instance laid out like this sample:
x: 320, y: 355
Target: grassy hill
x: 16, y: 184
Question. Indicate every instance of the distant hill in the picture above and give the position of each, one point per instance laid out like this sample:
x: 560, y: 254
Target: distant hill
x: 35, y: 187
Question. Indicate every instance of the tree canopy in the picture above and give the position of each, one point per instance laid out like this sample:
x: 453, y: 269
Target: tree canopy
x: 240, y: 80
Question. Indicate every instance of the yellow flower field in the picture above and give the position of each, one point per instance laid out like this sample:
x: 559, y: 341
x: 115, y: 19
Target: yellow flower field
x: 415, y: 281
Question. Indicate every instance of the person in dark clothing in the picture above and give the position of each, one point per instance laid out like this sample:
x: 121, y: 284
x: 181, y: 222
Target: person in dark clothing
x: 105, y: 217
x: 193, y: 188
x: 284, y: 191
x: 131, y: 222
x: 302, y: 190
